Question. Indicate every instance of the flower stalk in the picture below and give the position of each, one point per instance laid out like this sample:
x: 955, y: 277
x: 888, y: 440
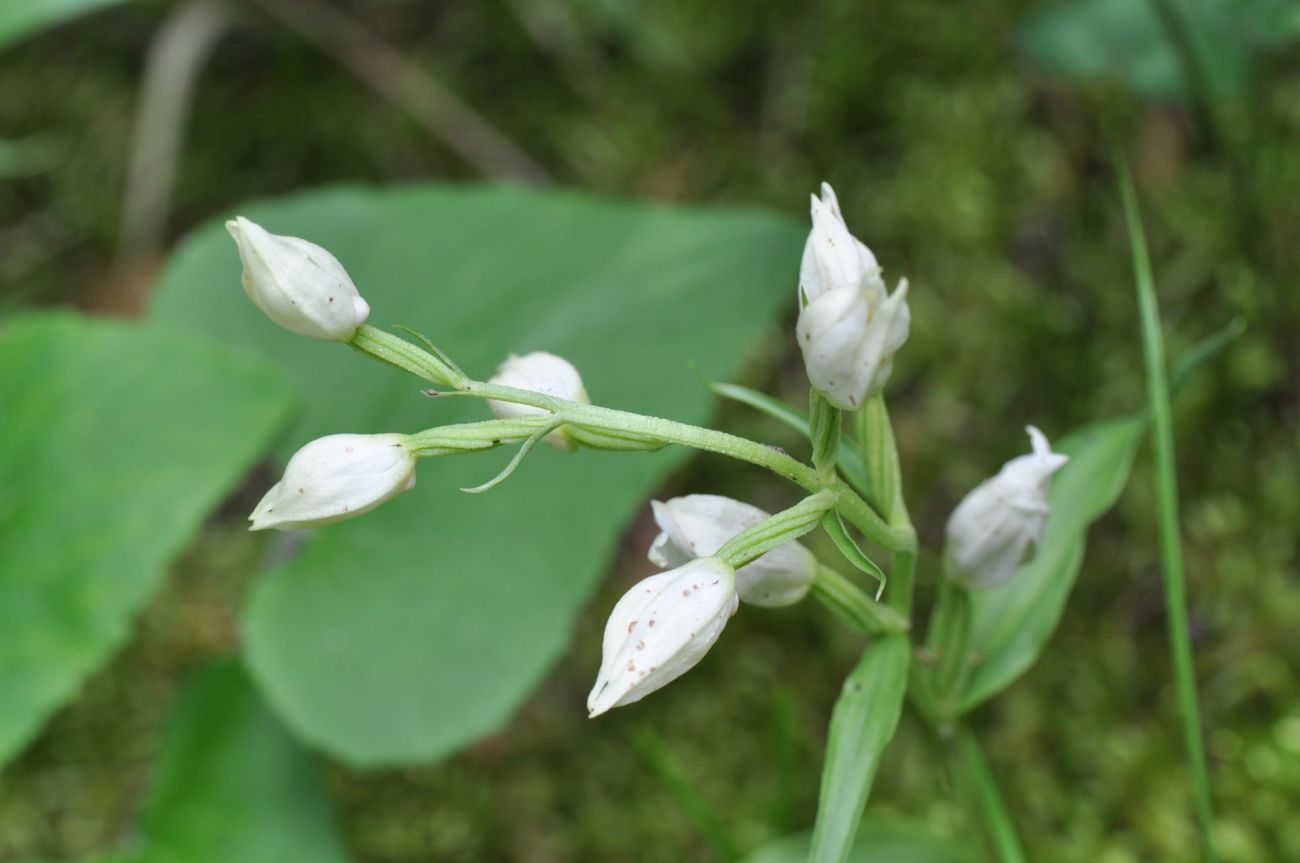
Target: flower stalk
x: 851, y: 604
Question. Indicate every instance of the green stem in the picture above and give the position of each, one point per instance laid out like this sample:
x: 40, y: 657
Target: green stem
x: 1171, y: 552
x: 399, y: 353
x: 854, y: 508
x: 775, y: 531
x: 639, y: 430
x: 951, y: 643
x: 902, y: 581
x: 880, y: 455
x: 848, y: 601
x: 824, y: 422
x: 1002, y: 831
x: 474, y: 436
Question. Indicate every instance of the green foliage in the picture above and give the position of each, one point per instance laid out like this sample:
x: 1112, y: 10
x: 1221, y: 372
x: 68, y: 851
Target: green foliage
x: 22, y: 18
x: 409, y: 633
x: 862, y: 725
x: 1171, y: 548
x: 1011, y: 624
x: 1125, y: 41
x: 117, y: 441
x: 878, y: 841
x: 233, y: 785
x: 27, y: 156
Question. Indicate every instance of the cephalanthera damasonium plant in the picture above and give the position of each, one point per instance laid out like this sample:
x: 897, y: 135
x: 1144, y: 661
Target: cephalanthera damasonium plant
x: 718, y: 554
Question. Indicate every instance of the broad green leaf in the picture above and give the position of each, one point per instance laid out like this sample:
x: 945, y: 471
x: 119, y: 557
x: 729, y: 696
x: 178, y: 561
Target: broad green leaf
x: 232, y: 784
x: 22, y: 18
x: 1011, y: 625
x: 117, y: 441
x: 862, y: 724
x: 878, y: 841
x: 408, y: 633
x: 1124, y: 41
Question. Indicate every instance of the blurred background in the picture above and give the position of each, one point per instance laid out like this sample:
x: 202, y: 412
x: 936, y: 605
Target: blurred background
x: 974, y: 148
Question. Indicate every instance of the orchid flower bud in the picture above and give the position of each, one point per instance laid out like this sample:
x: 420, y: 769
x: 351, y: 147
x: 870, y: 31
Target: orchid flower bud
x: 699, y: 524
x: 297, y: 284
x: 995, y: 527
x: 336, y: 477
x: 849, y: 328
x: 660, y: 629
x: 544, y: 373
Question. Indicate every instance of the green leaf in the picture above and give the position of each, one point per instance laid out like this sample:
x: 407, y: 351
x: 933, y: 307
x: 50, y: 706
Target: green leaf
x: 232, y: 784
x: 22, y: 18
x: 406, y: 634
x: 1010, y: 625
x: 1124, y: 41
x: 862, y: 724
x: 879, y: 840
x: 22, y: 157
x: 117, y: 441
x: 853, y: 553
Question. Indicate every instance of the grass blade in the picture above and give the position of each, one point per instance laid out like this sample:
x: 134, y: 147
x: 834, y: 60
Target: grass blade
x: 1001, y: 830
x: 1171, y: 551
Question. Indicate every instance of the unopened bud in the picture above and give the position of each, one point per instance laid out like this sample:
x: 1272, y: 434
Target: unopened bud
x: 699, y: 524
x: 995, y: 527
x: 299, y: 285
x: 336, y: 477
x: 543, y: 373
x: 660, y: 629
x: 849, y: 327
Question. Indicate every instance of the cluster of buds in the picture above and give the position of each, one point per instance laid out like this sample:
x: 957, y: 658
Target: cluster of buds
x: 304, y: 289
x: 849, y: 329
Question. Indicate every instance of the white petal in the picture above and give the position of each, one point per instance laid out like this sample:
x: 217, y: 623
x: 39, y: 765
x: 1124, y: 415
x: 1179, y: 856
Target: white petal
x: 698, y: 525
x: 831, y: 331
x: 833, y: 259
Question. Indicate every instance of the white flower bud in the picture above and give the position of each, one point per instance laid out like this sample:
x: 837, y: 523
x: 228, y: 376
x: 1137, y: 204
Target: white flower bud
x: 336, y: 477
x: 544, y: 373
x: 297, y: 284
x: 849, y: 328
x: 834, y: 259
x: 699, y: 524
x: 994, y: 528
x: 660, y: 629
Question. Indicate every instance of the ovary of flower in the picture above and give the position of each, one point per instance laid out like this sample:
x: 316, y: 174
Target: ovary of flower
x: 698, y: 525
x: 995, y: 527
x: 543, y: 373
x: 849, y: 327
x: 297, y: 284
x: 660, y: 629
x: 336, y: 477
